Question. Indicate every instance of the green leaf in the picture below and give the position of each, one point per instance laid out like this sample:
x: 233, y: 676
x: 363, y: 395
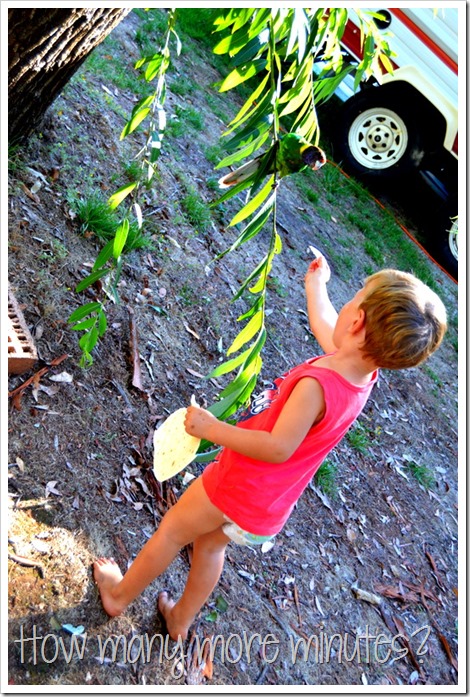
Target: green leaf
x: 134, y: 122
x: 147, y: 59
x: 242, y: 73
x: 221, y: 604
x: 297, y: 101
x: 256, y: 225
x: 253, y: 204
x: 257, y: 305
x: 89, y: 280
x: 105, y: 254
x: 152, y: 69
x: 252, y: 275
x: 120, y: 238
x: 86, y: 324
x: 227, y: 406
x: 246, y: 333
x: 244, y: 15
x: 120, y: 195
x: 253, y: 129
x: 240, y: 382
x: 228, y: 366
x: 207, y: 456
x: 232, y: 42
x: 244, y: 375
x: 251, y: 100
x: 89, y: 340
x: 247, y: 52
x: 83, y: 311
x: 231, y: 192
x: 260, y: 108
x: 244, y: 152
x: 92, y: 339
x: 102, y: 323
x: 245, y: 358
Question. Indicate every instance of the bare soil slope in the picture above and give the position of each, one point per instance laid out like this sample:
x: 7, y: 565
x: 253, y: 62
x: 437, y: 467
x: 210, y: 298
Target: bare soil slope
x: 80, y: 450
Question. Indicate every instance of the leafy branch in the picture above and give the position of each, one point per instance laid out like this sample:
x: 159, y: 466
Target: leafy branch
x: 90, y: 318
x: 282, y: 48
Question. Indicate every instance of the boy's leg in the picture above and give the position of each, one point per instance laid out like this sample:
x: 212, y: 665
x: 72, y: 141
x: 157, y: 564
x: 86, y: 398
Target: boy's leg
x: 192, y: 516
x: 206, y: 566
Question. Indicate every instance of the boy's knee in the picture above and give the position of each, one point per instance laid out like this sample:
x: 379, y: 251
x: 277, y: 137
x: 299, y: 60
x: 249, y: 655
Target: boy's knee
x: 213, y: 542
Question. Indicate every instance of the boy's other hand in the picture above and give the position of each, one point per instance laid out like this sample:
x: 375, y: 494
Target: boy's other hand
x: 198, y: 421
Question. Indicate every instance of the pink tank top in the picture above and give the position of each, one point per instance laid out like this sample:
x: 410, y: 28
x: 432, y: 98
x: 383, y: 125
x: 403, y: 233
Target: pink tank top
x: 259, y: 496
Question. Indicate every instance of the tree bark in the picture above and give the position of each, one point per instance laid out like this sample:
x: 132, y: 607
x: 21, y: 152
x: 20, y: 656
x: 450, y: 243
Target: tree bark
x: 45, y: 48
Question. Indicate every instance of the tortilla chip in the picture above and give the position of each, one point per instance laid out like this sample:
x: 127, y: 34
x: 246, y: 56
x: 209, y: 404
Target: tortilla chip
x: 173, y: 448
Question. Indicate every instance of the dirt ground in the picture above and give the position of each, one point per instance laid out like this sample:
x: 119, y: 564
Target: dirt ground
x: 360, y: 587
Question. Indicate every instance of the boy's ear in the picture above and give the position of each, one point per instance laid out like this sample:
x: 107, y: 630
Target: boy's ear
x: 359, y: 323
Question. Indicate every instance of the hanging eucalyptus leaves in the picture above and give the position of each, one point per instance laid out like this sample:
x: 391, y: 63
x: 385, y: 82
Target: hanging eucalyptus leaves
x: 279, y: 48
x: 90, y: 318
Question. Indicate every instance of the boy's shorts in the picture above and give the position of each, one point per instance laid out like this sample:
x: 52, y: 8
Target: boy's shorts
x: 242, y: 537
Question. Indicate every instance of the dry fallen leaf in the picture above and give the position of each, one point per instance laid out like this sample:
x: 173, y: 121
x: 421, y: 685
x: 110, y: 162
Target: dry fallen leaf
x: 50, y: 489
x: 20, y: 464
x: 191, y: 331
x: 61, y: 377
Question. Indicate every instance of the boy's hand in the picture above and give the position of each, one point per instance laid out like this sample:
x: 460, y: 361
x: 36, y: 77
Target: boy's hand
x: 198, y: 421
x: 318, y: 271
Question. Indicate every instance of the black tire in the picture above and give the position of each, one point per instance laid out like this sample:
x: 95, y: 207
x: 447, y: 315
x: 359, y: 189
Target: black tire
x: 446, y: 243
x: 377, y: 137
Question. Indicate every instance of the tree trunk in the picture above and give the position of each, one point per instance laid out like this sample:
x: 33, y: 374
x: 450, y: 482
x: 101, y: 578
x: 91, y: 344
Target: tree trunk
x: 46, y: 46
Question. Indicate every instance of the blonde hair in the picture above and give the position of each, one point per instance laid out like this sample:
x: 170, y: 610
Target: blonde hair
x: 405, y: 320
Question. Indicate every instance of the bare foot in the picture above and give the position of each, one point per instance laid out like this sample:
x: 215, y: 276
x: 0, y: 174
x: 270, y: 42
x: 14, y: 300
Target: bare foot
x: 107, y: 576
x: 175, y: 627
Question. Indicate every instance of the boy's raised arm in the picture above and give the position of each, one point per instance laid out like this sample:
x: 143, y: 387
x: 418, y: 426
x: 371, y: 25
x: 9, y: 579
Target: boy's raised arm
x: 322, y: 315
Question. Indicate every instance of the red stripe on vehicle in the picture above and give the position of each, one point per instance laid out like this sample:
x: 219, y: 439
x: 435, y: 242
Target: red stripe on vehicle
x: 427, y: 41
x: 352, y: 39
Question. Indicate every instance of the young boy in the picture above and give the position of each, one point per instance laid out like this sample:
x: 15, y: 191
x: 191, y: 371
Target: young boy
x: 269, y: 457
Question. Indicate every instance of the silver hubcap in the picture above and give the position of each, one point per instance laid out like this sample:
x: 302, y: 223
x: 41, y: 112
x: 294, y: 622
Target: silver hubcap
x: 453, y: 238
x: 378, y: 138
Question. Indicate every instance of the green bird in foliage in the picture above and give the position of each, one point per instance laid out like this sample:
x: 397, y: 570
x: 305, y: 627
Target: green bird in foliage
x: 294, y: 154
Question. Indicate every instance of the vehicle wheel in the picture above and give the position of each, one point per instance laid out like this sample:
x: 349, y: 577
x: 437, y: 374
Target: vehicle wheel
x: 447, y: 246
x: 377, y: 138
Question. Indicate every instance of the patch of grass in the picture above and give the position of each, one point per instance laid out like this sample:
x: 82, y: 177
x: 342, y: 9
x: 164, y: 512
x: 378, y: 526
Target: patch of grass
x: 95, y: 216
x: 153, y: 28
x: 275, y: 285
x: 15, y: 161
x: 190, y: 116
x: 57, y: 251
x: 305, y: 186
x: 132, y: 170
x: 217, y: 106
x: 212, y: 184
x: 112, y: 72
x: 374, y: 251
x: 187, y: 295
x: 325, y: 478
x: 358, y: 438
x: 196, y: 211
x: 175, y: 128
x: 183, y: 86
x: 214, y: 153
x: 198, y: 24
x: 333, y: 182
x: 421, y: 473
